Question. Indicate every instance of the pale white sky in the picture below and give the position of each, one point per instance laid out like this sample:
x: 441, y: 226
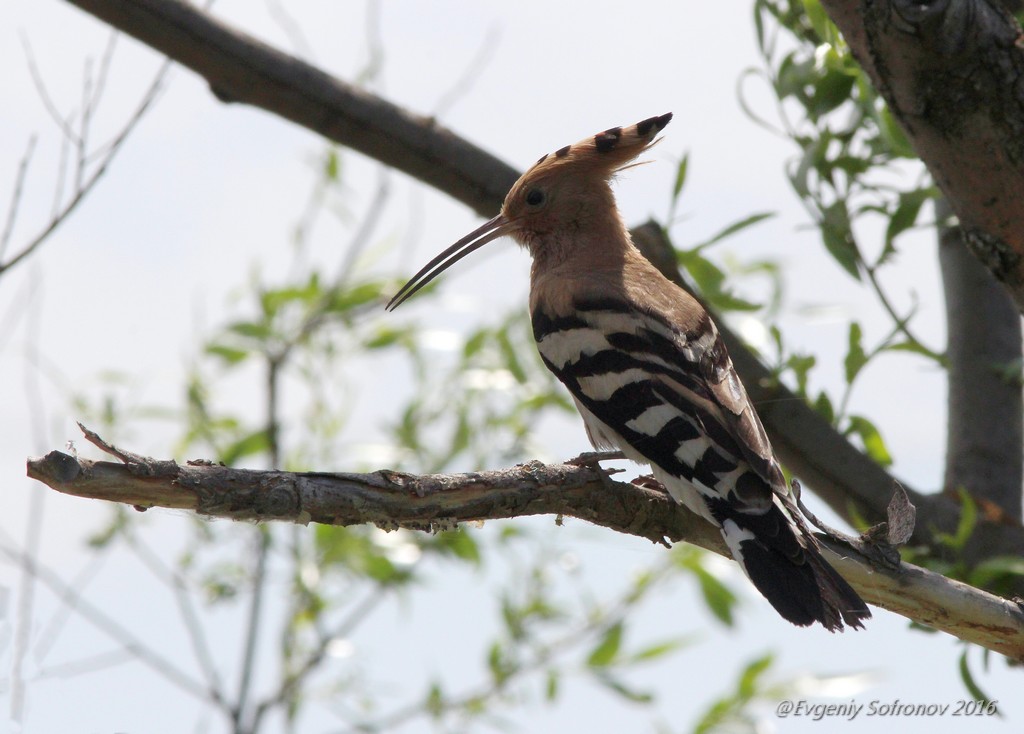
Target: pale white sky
x: 205, y: 194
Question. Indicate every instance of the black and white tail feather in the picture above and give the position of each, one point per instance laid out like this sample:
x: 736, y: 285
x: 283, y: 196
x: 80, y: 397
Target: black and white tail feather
x: 649, y: 371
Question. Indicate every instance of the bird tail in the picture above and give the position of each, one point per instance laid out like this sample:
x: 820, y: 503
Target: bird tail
x: 783, y: 561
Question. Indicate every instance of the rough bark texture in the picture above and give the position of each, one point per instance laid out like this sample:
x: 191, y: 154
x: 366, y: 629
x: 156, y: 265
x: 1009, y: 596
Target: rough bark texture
x: 985, y: 434
x: 437, y: 502
x: 241, y: 69
x: 952, y: 72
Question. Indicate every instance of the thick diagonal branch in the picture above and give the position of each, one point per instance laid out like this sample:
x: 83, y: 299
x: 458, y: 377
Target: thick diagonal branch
x: 392, y: 500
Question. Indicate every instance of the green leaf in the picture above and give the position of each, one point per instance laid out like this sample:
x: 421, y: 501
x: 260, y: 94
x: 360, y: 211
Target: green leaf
x: 817, y: 17
x: 499, y: 664
x: 793, y: 76
x: 250, y: 329
x: 972, y: 686
x: 918, y: 348
x: 332, y: 164
x: 273, y: 300
x: 733, y: 228
x: 801, y: 365
x: 907, y: 210
x: 717, y: 596
x: 965, y: 527
x: 710, y: 279
x: 823, y: 405
x: 434, y: 703
x: 381, y: 569
x: 999, y: 571
x: 830, y: 91
x: 751, y: 676
x: 460, y: 544
x: 838, y: 237
x: 551, y: 685
x: 870, y: 436
x: 619, y: 687
x: 229, y: 355
x: 349, y: 298
x: 475, y: 342
x: 677, y: 186
x: 254, y: 443
x: 606, y: 650
x: 893, y: 136
x: 386, y: 336
x: 657, y: 650
x: 856, y: 357
x: 511, y: 357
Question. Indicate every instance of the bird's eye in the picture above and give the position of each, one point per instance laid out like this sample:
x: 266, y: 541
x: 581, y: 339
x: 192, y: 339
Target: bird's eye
x: 535, y: 197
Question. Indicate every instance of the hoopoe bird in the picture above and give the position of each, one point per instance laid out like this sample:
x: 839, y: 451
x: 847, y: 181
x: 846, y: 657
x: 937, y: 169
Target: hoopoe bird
x: 649, y: 371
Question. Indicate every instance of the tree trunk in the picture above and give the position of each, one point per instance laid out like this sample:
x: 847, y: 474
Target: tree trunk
x: 984, y: 447
x: 952, y: 72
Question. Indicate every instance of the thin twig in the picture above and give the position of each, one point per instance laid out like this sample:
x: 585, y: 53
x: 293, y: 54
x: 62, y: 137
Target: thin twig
x: 362, y: 236
x: 471, y: 72
x: 104, y: 72
x: 19, y: 187
x: 293, y: 680
x: 86, y: 184
x: 82, y: 144
x: 193, y: 626
x: 99, y: 619
x: 252, y: 627
x: 44, y: 94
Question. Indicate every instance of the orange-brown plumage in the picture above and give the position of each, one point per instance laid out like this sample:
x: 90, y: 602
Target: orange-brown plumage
x: 648, y: 370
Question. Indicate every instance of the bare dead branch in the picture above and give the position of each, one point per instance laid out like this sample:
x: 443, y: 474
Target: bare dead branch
x: 435, y: 502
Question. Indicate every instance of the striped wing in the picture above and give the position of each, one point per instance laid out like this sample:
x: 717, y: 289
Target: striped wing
x: 671, y: 397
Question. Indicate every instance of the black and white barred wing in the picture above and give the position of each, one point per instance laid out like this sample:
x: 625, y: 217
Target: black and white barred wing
x: 665, y: 398
x: 672, y: 399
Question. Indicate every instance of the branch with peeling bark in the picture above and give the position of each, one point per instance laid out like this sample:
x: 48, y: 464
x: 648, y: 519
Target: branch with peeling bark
x: 392, y: 499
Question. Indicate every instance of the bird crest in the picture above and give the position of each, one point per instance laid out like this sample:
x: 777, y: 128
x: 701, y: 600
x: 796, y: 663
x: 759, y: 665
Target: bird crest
x: 604, y: 153
x: 581, y: 171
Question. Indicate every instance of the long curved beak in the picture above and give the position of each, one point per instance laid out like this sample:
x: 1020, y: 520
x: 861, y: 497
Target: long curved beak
x: 492, y: 230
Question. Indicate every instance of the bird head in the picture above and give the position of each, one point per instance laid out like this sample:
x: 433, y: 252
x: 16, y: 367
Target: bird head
x: 563, y: 194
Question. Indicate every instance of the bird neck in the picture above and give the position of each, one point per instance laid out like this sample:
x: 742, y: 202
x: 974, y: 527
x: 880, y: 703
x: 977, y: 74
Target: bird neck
x: 581, y: 264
